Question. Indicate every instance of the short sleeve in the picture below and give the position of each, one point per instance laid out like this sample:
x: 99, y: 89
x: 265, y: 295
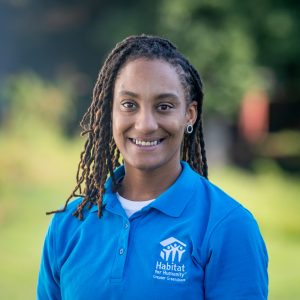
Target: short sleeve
x: 238, y: 260
x: 48, y: 286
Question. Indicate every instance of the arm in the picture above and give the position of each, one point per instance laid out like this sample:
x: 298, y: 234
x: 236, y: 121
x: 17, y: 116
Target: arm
x: 238, y: 260
x: 48, y: 286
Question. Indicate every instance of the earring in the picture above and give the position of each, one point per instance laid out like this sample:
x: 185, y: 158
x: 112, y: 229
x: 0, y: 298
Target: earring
x: 189, y: 129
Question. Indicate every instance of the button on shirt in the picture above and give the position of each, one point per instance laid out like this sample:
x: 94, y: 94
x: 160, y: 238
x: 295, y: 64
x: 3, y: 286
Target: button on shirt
x: 192, y: 242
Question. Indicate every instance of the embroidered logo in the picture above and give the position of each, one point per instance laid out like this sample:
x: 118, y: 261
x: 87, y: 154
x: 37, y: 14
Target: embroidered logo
x: 169, y: 266
x: 173, y: 249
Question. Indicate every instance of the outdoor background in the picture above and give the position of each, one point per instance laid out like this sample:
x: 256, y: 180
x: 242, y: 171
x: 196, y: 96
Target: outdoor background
x: 248, y: 54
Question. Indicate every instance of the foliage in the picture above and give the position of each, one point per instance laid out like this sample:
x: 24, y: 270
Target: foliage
x: 214, y: 38
x: 33, y: 102
x: 236, y: 46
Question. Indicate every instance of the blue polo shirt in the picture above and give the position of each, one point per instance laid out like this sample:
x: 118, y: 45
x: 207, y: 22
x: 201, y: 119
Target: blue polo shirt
x: 192, y: 242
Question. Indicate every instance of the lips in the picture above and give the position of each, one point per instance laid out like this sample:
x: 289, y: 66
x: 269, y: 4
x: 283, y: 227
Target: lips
x: 146, y: 143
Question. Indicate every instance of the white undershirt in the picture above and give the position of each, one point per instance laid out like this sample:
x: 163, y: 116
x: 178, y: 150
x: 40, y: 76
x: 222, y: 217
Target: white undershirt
x: 131, y: 206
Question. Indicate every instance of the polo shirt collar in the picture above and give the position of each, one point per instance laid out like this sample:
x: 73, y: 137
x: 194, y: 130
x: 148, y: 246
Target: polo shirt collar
x: 171, y: 202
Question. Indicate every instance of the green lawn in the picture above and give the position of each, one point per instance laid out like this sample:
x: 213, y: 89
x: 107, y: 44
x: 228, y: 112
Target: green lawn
x: 37, y: 175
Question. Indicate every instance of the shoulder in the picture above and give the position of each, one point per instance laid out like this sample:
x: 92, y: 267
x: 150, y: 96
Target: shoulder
x: 224, y: 215
x: 230, y: 224
x: 64, y: 224
x: 67, y: 214
x: 65, y: 229
x: 223, y: 207
x: 233, y: 250
x: 237, y: 225
x: 216, y: 203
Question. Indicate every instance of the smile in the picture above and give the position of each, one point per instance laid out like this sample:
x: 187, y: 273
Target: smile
x: 142, y: 143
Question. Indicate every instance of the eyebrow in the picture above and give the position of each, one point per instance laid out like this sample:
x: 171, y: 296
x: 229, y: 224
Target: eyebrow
x: 128, y: 93
x: 167, y: 96
x: 158, y: 97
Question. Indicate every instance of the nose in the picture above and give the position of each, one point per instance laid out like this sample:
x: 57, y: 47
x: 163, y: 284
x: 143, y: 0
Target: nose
x: 146, y: 121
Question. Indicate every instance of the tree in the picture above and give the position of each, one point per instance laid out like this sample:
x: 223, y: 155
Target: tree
x: 237, y: 46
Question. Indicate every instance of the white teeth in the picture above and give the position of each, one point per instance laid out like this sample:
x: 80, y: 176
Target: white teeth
x: 145, y: 143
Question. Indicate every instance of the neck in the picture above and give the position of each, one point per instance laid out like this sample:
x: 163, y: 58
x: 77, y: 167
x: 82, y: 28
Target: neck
x: 141, y: 185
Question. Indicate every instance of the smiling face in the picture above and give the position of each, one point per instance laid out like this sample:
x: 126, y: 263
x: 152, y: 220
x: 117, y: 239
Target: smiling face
x: 150, y: 114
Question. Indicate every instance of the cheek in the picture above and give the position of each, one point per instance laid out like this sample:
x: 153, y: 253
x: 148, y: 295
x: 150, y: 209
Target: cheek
x: 116, y: 131
x: 119, y: 126
x: 176, y: 126
x: 115, y: 127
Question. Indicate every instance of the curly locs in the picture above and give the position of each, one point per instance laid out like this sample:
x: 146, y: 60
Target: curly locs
x: 100, y: 155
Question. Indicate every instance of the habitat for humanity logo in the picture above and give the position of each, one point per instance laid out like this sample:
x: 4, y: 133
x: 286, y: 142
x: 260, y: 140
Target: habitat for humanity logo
x: 173, y: 249
x: 170, y: 267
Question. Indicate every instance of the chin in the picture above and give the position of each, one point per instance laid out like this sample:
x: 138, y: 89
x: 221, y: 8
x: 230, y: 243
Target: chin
x: 145, y: 166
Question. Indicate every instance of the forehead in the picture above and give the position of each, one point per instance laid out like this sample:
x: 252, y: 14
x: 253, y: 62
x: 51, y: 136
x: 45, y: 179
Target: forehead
x: 141, y: 74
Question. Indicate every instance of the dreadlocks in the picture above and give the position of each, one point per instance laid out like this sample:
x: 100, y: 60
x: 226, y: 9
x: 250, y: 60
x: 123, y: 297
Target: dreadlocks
x: 100, y: 155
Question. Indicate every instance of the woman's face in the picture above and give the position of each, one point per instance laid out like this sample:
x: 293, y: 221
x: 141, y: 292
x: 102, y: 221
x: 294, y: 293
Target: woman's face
x: 150, y: 114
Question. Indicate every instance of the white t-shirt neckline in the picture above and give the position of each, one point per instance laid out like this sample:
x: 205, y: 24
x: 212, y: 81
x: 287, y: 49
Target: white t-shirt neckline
x: 131, y: 206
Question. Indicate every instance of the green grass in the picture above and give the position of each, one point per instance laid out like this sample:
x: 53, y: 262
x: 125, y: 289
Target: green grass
x: 37, y: 173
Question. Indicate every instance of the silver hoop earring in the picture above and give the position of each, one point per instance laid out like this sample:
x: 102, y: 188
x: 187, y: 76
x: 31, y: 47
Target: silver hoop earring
x: 189, y: 129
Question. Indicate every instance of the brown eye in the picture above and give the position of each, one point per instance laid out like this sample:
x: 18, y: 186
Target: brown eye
x: 164, y: 107
x: 128, y: 105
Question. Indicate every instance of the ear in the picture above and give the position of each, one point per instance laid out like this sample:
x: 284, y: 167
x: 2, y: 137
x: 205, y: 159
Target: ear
x: 191, y: 113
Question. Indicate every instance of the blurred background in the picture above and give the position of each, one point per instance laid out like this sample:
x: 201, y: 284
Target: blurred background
x: 247, y: 53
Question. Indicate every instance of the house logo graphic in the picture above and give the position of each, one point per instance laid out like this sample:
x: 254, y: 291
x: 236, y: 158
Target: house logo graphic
x: 171, y: 265
x: 172, y: 250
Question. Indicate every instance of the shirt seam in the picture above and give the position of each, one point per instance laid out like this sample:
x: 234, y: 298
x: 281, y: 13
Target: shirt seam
x: 217, y: 225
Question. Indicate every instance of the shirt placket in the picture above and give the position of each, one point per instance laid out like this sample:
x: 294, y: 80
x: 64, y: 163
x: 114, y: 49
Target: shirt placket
x: 121, y: 253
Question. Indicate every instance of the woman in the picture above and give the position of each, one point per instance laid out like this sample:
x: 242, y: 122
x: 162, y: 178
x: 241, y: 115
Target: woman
x: 163, y: 231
